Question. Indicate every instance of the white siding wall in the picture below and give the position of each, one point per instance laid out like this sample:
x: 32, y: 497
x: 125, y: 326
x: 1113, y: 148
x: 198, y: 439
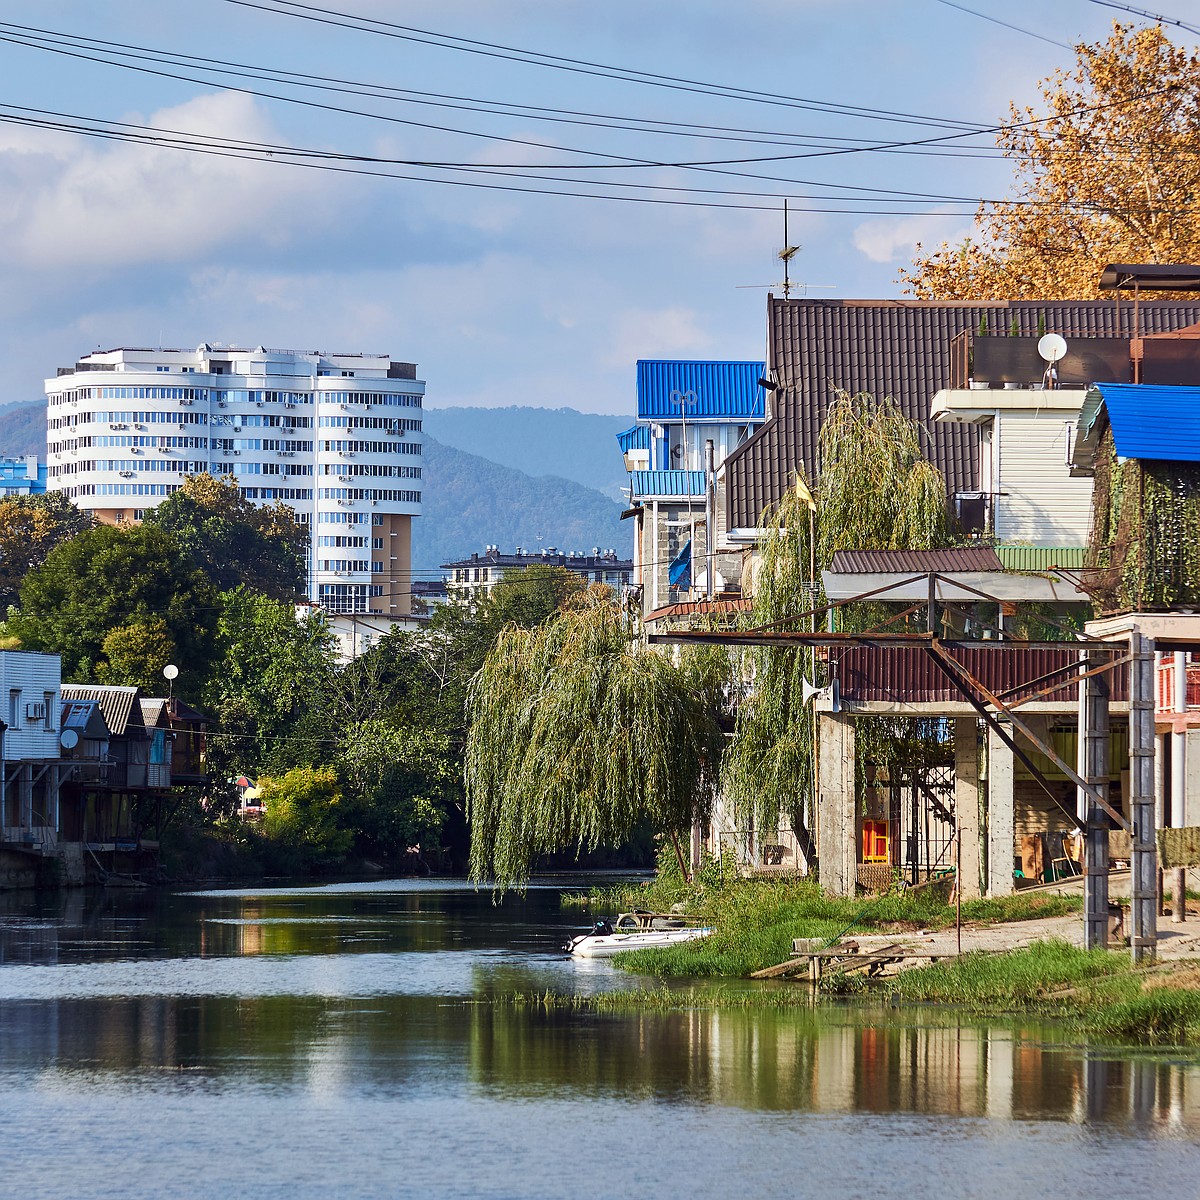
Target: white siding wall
x: 1039, y: 502
x: 27, y: 679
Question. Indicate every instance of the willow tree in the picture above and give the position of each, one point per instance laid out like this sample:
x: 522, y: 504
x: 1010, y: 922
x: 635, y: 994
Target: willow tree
x: 875, y: 491
x: 1106, y: 170
x: 577, y: 734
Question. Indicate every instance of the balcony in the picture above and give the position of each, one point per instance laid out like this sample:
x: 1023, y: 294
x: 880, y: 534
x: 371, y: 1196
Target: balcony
x: 979, y: 360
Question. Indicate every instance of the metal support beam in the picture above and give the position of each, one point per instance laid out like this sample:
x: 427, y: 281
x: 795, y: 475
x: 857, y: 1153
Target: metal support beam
x: 1094, y: 745
x: 1143, y: 881
x: 968, y: 685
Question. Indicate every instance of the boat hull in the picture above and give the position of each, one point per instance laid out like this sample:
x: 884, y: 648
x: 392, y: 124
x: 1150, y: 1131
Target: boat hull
x: 605, y: 945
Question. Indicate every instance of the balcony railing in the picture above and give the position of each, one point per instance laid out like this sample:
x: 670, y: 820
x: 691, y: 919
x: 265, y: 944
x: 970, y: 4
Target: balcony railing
x: 1166, y: 687
x: 1015, y: 361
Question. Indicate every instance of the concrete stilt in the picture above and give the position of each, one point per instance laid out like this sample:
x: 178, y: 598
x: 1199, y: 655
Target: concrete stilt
x: 1094, y: 743
x: 1143, y: 882
x: 837, y: 837
x: 966, y: 802
x: 1001, y: 777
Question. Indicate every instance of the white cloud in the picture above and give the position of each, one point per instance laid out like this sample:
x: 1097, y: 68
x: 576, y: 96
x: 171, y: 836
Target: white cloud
x: 69, y: 203
x: 662, y: 333
x: 893, y: 239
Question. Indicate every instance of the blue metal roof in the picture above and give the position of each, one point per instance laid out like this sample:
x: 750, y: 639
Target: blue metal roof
x: 1153, y: 420
x: 636, y: 437
x: 668, y: 483
x: 723, y: 391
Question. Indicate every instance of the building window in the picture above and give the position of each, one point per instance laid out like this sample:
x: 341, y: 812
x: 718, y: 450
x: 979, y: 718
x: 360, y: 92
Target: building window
x: 377, y: 543
x: 14, y: 708
x: 376, y: 518
x: 377, y: 567
x: 48, y: 706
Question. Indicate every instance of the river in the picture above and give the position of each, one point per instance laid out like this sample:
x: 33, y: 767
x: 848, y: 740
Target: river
x: 339, y: 1041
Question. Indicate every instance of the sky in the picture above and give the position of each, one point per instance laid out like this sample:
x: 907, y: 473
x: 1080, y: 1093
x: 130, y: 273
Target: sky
x: 501, y: 294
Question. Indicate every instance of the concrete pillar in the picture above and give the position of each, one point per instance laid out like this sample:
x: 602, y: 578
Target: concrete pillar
x: 1094, y: 746
x: 837, y: 833
x: 966, y: 802
x: 1143, y: 881
x: 1001, y: 835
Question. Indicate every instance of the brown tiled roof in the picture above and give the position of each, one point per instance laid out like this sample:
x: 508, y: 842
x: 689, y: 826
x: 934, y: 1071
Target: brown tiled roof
x: 116, y: 703
x: 916, y: 562
x: 897, y: 348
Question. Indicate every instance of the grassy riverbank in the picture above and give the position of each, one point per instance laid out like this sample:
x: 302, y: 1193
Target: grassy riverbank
x: 1099, y: 994
x: 756, y: 919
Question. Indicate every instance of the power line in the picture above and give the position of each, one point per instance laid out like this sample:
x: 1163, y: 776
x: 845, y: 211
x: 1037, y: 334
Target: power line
x: 1041, y: 37
x: 1141, y: 12
x: 391, y: 29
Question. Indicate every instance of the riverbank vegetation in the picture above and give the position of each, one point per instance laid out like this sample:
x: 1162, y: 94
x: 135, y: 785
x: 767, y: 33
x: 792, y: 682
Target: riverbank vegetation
x: 756, y: 919
x: 359, y: 764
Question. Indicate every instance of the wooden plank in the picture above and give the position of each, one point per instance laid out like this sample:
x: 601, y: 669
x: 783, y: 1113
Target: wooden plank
x: 793, y: 966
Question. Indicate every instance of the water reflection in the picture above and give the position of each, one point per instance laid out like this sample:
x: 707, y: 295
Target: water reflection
x: 343, y: 998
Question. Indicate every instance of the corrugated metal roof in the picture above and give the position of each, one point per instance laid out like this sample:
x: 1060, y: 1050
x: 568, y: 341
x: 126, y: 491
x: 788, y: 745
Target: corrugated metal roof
x: 116, y: 703
x: 1041, y: 558
x: 701, y: 608
x: 636, y: 437
x: 154, y: 712
x: 648, y: 484
x: 727, y: 391
x: 895, y: 674
x: 1154, y: 421
x: 897, y: 348
x: 916, y: 562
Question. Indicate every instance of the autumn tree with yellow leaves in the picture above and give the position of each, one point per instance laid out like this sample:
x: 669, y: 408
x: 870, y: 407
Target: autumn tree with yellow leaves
x: 1109, y: 171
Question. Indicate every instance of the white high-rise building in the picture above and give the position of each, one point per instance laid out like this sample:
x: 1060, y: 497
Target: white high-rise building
x: 335, y: 436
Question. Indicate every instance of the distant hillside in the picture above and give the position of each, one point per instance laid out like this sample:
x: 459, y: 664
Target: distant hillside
x: 539, y: 441
x: 23, y: 429
x: 470, y: 502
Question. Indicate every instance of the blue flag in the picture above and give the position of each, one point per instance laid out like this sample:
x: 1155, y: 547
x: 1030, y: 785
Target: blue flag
x: 680, y: 570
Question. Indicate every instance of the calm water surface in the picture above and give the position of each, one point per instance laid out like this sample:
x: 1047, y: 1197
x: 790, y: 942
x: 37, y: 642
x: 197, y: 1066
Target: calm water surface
x: 335, y: 1041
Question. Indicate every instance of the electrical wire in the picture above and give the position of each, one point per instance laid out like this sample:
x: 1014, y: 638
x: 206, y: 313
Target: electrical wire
x: 1041, y: 37
x: 1141, y: 12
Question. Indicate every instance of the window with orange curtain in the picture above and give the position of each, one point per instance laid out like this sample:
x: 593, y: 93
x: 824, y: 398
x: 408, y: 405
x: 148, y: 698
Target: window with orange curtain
x: 875, y: 841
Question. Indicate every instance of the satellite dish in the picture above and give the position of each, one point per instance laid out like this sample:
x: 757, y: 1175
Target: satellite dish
x: 170, y: 671
x: 68, y: 739
x: 1052, y: 347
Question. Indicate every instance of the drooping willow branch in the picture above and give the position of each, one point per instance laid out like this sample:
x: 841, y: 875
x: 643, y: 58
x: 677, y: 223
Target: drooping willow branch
x: 875, y: 491
x: 577, y: 735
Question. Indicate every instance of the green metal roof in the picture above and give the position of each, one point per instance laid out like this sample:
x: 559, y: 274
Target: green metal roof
x: 1040, y: 559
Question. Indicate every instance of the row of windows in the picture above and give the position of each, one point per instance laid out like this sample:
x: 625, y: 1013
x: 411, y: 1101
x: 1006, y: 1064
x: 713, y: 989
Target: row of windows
x: 342, y: 518
x: 228, y: 445
x: 140, y: 465
x: 343, y: 541
x: 371, y: 447
x: 279, y: 493
x: 343, y: 564
x: 267, y: 468
x: 368, y: 494
x: 136, y: 439
x: 392, y: 399
x: 370, y: 469
x: 128, y: 417
x: 410, y: 424
x: 348, y: 597
x: 230, y: 395
x: 262, y: 420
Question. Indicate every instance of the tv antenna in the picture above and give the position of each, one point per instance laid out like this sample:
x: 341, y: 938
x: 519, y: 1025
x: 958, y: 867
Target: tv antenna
x: 785, y: 256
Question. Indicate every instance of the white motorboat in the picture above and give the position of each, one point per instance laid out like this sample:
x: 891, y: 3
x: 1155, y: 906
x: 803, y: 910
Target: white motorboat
x: 634, y: 931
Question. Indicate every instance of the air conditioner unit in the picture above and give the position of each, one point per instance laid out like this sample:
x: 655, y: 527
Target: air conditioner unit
x: 222, y: 404
x: 235, y: 452
x: 237, y: 429
x: 127, y: 474
x: 35, y: 711
x: 136, y: 450
x: 343, y: 479
x: 347, y: 453
x: 186, y: 402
